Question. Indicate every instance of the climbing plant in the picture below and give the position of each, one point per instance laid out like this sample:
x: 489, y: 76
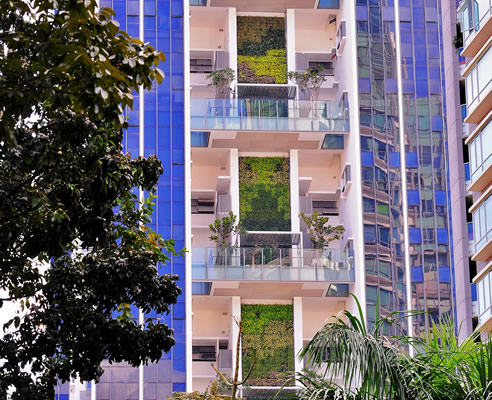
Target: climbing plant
x: 268, y: 338
x: 264, y: 193
x: 261, y: 47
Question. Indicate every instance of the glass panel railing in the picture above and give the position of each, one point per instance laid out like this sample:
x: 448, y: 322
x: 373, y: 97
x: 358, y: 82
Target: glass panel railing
x: 277, y: 264
x: 269, y: 115
x: 484, y: 294
x: 480, y: 152
x: 474, y: 16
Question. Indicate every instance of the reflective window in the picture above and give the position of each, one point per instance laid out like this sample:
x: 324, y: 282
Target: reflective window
x: 199, y: 138
x: 480, y: 149
x: 484, y: 294
x: 478, y: 80
x: 482, y: 224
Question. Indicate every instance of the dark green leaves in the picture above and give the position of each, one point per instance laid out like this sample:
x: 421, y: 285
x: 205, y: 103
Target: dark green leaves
x: 74, y: 249
x: 75, y: 57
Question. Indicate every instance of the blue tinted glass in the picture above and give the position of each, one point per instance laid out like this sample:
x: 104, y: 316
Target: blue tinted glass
x: 179, y: 387
x: 332, y: 142
x: 329, y: 4
x: 442, y: 235
x: 370, y: 233
x: 415, y: 235
x: 444, y: 275
x: 474, y: 291
x: 199, y: 139
x: 367, y: 159
x: 413, y: 198
x: 394, y: 159
x: 417, y: 274
x: 411, y: 159
x: 201, y: 288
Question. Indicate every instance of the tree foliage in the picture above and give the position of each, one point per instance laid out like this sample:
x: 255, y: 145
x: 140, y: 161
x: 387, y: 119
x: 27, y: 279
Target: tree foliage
x: 67, y: 54
x: 221, y: 79
x: 223, y: 228
x: 375, y: 366
x: 321, y: 232
x: 74, y: 249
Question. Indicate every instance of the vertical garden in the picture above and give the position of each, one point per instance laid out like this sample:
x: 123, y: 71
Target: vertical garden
x: 261, y: 49
x: 264, y: 193
x: 268, y: 338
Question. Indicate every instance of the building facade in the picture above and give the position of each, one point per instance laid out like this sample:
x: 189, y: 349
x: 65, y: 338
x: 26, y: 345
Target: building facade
x: 369, y: 149
x: 474, y: 19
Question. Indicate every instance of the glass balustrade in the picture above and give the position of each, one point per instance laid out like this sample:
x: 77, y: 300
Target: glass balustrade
x: 267, y: 264
x: 269, y: 115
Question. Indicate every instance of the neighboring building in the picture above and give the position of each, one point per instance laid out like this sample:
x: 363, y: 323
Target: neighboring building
x: 371, y: 153
x: 476, y: 59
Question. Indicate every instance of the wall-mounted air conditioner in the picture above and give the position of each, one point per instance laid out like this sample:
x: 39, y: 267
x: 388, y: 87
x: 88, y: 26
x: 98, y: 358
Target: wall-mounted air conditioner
x: 346, y: 179
x: 341, y: 37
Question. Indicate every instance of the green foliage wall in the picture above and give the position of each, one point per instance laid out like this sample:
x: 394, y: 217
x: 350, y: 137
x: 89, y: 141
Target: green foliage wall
x: 264, y: 193
x: 268, y: 337
x: 261, y: 47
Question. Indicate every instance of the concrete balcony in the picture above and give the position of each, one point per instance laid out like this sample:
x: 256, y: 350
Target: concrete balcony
x: 476, y: 25
x: 483, y: 282
x: 272, y: 264
x: 478, y: 79
x: 269, y: 115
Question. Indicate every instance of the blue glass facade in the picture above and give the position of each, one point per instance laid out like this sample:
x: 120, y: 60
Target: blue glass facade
x: 425, y: 168
x: 163, y: 135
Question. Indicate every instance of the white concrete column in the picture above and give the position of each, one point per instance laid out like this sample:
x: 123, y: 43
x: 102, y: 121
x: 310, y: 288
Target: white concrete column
x: 93, y: 390
x: 235, y: 319
x: 298, y: 333
x: 232, y: 42
x: 234, y: 186
x: 291, y: 39
x: 294, y: 191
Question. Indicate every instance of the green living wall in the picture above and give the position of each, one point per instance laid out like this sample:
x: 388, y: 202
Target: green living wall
x: 261, y: 49
x: 264, y: 193
x: 268, y: 338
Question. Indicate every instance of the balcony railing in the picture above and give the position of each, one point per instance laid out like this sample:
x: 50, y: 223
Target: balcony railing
x: 277, y: 264
x: 484, y: 293
x: 269, y: 115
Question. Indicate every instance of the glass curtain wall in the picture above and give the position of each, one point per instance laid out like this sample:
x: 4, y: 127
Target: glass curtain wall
x: 380, y: 159
x: 426, y: 158
x: 426, y: 143
x: 164, y: 136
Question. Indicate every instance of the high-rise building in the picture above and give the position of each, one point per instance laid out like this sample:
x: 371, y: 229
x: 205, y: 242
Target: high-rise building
x: 368, y: 149
x: 470, y: 139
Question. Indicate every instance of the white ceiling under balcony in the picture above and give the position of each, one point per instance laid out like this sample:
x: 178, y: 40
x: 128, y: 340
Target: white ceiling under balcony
x: 264, y: 6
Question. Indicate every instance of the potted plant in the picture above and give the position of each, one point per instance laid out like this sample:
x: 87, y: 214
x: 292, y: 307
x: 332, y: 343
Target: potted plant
x: 221, y: 80
x: 222, y: 231
x: 321, y: 232
x: 309, y: 83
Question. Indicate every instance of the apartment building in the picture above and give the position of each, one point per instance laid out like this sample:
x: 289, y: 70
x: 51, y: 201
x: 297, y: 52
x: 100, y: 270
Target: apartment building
x: 369, y: 151
x: 475, y: 22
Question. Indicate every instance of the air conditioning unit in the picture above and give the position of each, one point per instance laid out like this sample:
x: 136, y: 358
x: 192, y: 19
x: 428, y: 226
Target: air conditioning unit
x: 341, y: 37
x: 346, y: 179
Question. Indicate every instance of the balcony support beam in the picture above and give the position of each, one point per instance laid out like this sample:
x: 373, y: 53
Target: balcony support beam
x: 291, y: 40
x: 234, y: 185
x: 235, y: 319
x: 232, y: 42
x: 298, y: 333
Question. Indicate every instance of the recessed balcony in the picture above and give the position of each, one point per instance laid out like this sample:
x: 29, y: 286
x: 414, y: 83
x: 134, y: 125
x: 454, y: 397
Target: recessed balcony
x: 272, y: 264
x: 269, y: 115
